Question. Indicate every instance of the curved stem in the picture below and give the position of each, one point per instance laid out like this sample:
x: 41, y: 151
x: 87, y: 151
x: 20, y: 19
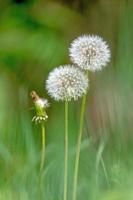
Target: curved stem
x: 105, y: 171
x: 43, y: 147
x: 75, y: 179
x: 66, y: 151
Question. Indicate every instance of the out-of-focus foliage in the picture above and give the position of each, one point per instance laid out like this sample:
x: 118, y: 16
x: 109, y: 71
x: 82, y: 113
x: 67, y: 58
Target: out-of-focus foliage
x: 34, y: 38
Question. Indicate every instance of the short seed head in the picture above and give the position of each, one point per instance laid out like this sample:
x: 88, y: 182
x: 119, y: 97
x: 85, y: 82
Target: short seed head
x: 66, y: 83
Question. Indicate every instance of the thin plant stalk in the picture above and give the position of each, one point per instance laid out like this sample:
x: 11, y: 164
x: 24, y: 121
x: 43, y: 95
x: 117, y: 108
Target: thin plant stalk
x: 105, y: 171
x: 66, y: 151
x: 75, y: 179
x: 43, y: 146
x: 100, y: 159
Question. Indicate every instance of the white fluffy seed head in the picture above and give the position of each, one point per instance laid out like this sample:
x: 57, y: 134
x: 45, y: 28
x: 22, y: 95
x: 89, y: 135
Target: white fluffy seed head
x: 90, y: 52
x: 66, y: 82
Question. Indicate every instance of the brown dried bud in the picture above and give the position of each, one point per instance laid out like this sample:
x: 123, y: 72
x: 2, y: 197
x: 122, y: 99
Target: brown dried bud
x: 34, y: 96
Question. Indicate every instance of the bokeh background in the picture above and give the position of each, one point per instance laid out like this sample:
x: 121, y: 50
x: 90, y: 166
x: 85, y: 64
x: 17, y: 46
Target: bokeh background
x: 34, y: 38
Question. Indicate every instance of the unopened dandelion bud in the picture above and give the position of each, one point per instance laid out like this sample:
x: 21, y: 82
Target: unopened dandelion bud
x: 40, y: 107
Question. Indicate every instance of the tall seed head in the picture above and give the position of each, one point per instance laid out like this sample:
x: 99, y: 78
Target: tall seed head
x: 90, y: 52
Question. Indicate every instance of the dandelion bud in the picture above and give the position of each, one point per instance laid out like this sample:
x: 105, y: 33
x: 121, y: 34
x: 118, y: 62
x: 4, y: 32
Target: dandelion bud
x: 40, y: 106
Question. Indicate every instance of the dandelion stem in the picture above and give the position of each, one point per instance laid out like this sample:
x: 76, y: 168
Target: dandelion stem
x: 43, y: 147
x: 75, y: 178
x: 78, y: 148
x: 66, y: 151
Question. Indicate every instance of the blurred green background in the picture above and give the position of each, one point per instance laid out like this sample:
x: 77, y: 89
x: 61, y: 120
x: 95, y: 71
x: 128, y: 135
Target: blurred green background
x: 34, y: 38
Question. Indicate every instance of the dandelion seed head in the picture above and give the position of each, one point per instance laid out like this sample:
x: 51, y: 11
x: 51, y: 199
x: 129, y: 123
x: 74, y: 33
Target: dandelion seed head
x: 66, y: 83
x: 90, y: 52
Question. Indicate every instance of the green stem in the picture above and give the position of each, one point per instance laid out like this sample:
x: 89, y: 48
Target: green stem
x: 43, y: 147
x: 66, y: 151
x: 75, y: 179
x: 99, y: 160
x: 105, y: 171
